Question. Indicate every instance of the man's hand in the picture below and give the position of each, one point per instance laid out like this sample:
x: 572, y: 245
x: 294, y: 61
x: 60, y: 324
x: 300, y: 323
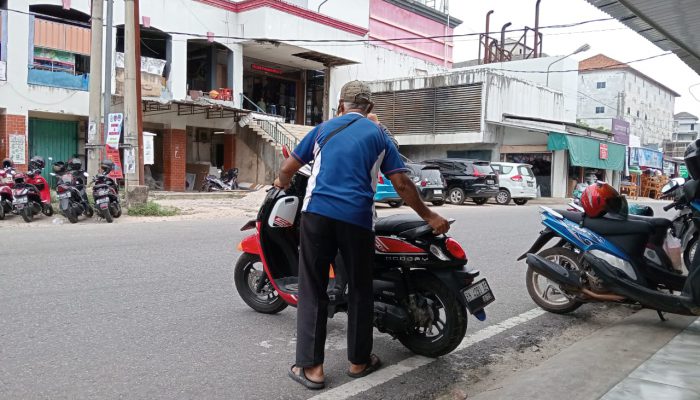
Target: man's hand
x: 438, y: 223
x: 278, y: 184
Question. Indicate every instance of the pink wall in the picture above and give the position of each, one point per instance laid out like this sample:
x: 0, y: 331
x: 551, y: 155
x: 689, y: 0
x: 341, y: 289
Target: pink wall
x: 387, y: 21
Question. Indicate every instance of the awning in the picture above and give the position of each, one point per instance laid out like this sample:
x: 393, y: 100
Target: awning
x: 589, y: 152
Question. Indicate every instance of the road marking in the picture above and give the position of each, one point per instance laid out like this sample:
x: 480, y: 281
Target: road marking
x: 390, y: 372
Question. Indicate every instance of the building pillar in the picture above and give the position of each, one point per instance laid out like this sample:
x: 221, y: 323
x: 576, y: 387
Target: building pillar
x: 174, y: 159
x: 14, y: 125
x: 177, y: 81
x: 229, y: 151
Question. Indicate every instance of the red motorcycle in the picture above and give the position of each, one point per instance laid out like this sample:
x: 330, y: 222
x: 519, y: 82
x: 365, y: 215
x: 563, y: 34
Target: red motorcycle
x: 423, y: 291
x: 7, y: 182
x: 30, y: 193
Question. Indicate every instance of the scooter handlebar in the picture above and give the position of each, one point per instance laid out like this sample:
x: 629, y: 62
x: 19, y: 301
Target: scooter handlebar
x: 670, y: 206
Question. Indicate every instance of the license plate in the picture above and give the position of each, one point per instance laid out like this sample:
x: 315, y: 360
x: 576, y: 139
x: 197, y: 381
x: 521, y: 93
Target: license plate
x: 21, y: 200
x: 531, y: 184
x: 437, y: 191
x: 103, y: 192
x: 478, y: 296
x: 490, y: 182
x: 102, y: 200
x: 63, y: 195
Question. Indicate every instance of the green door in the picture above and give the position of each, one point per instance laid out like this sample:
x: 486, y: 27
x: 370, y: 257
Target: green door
x: 52, y: 139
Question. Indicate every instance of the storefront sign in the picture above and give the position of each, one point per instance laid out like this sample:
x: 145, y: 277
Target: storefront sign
x: 603, y: 153
x: 643, y: 157
x: 17, y: 149
x: 114, y: 132
x: 683, y: 171
x: 266, y: 69
x: 621, y: 131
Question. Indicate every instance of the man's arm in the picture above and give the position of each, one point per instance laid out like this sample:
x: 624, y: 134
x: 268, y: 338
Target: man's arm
x: 289, y: 167
x: 407, y: 190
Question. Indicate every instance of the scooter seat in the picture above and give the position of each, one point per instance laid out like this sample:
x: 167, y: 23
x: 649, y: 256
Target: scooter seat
x: 656, y: 223
x: 613, y: 227
x: 574, y: 216
x: 395, y: 224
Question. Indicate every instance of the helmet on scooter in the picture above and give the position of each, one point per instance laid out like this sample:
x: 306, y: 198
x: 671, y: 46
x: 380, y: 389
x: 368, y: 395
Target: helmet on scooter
x: 20, y: 178
x: 59, y: 167
x: 74, y: 164
x: 600, y: 198
x: 36, y: 162
x: 7, y: 163
x: 692, y: 159
x: 107, y: 166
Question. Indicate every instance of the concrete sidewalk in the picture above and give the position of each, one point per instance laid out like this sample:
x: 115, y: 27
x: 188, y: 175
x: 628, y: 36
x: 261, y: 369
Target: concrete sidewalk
x: 640, y: 357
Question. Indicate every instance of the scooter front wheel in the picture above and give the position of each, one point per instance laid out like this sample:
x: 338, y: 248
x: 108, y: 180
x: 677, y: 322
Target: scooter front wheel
x: 47, y: 210
x: 28, y: 214
x: 546, y: 293
x: 247, y: 274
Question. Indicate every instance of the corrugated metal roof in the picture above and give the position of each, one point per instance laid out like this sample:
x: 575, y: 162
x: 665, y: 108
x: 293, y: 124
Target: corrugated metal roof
x: 669, y: 24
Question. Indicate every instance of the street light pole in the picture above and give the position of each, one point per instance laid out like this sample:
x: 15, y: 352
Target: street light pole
x: 581, y: 49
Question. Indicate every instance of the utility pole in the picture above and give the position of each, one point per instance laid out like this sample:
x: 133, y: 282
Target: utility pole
x: 107, y: 102
x: 132, y: 70
x: 94, y: 149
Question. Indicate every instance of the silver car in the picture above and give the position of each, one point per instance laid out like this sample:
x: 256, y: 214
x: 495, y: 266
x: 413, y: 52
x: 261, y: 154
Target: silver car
x: 516, y: 182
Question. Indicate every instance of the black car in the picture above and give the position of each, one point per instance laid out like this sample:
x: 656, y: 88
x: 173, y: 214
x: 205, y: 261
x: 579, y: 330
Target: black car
x: 429, y: 182
x: 467, y: 179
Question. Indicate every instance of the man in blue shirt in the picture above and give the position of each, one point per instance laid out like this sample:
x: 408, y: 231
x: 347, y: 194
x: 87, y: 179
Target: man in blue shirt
x: 338, y: 216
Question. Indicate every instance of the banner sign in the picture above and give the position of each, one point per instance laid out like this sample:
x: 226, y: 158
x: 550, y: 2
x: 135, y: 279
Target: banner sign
x: 603, y: 151
x: 17, y: 149
x: 114, y: 132
x: 148, y: 148
x: 643, y: 157
x: 621, y: 131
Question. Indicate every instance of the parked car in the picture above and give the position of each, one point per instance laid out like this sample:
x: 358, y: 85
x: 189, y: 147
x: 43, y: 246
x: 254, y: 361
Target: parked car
x: 467, y: 179
x: 429, y: 182
x: 386, y: 193
x: 516, y: 181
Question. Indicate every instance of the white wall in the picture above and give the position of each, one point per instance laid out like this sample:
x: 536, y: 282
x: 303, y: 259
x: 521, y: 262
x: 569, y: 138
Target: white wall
x: 610, y: 97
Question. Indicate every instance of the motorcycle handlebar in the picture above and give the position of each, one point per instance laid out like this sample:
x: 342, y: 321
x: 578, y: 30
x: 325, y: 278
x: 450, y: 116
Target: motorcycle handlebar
x: 670, y: 206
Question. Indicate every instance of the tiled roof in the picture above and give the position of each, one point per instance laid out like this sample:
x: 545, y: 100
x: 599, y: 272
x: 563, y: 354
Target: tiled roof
x: 684, y: 115
x: 601, y: 61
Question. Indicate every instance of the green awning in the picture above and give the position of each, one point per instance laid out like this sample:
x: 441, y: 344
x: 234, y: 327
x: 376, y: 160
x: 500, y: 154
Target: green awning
x: 589, y: 152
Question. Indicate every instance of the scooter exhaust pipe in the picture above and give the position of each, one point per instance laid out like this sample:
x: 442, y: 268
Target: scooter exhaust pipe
x: 554, y: 271
x: 602, y: 296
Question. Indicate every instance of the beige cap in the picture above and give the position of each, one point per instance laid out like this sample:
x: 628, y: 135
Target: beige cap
x: 356, y: 92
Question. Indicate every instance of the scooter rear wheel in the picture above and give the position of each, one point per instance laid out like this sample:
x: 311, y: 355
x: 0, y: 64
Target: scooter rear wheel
x: 246, y: 275
x: 449, y: 319
x: 27, y: 213
x: 2, y: 212
x: 47, y: 210
x: 541, y: 288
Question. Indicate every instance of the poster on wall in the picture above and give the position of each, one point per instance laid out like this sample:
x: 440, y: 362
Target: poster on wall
x: 130, y: 161
x: 3, y: 70
x: 148, y: 148
x: 17, y: 149
x: 114, y: 131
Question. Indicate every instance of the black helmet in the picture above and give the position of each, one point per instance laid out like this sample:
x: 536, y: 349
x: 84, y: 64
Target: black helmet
x: 59, y: 167
x: 36, y: 162
x: 692, y: 159
x: 107, y: 166
x: 74, y: 164
x: 7, y: 163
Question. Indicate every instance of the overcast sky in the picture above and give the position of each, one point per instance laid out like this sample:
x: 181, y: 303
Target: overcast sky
x: 609, y: 37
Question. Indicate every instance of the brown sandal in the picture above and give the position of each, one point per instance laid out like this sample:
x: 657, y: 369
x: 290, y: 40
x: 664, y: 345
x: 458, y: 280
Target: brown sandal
x: 374, y: 364
x: 301, y: 378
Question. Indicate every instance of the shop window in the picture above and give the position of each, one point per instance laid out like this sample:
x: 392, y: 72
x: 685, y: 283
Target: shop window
x: 600, y: 85
x: 600, y: 110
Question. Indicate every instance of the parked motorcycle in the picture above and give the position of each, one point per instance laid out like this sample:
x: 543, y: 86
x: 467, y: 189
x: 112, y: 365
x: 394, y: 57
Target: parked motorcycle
x: 34, y: 177
x: 7, y: 182
x: 106, y: 193
x: 602, y: 259
x: 423, y: 291
x: 27, y: 198
x: 226, y: 181
x: 682, y: 227
x: 71, y: 193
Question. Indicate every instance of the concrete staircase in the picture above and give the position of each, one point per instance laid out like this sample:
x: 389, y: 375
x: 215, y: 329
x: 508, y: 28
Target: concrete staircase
x: 274, y: 131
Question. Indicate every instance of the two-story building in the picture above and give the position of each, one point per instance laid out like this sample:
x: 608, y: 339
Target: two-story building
x: 224, y: 83
x: 609, y: 89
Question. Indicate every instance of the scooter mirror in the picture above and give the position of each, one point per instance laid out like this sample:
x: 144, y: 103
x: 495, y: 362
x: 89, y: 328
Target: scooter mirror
x: 52, y: 174
x: 85, y: 174
x: 672, y: 185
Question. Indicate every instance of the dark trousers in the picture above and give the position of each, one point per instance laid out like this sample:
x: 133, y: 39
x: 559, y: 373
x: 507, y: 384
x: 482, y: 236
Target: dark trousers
x: 321, y: 240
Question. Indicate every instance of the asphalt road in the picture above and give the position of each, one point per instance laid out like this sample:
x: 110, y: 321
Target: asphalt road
x: 147, y: 310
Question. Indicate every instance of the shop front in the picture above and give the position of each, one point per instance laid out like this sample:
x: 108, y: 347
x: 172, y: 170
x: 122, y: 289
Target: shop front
x: 589, y: 158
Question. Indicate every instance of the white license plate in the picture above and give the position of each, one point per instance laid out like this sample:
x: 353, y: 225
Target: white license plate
x: 102, y: 200
x: 21, y: 200
x: 478, y: 296
x: 63, y: 195
x: 437, y: 191
x: 490, y: 181
x: 531, y: 184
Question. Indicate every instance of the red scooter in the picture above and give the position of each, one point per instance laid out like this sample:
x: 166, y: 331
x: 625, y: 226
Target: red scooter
x: 31, y: 192
x: 7, y: 182
x: 423, y: 290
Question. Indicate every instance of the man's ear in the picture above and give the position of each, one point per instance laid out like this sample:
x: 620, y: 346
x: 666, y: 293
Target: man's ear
x: 370, y: 108
x: 341, y: 108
